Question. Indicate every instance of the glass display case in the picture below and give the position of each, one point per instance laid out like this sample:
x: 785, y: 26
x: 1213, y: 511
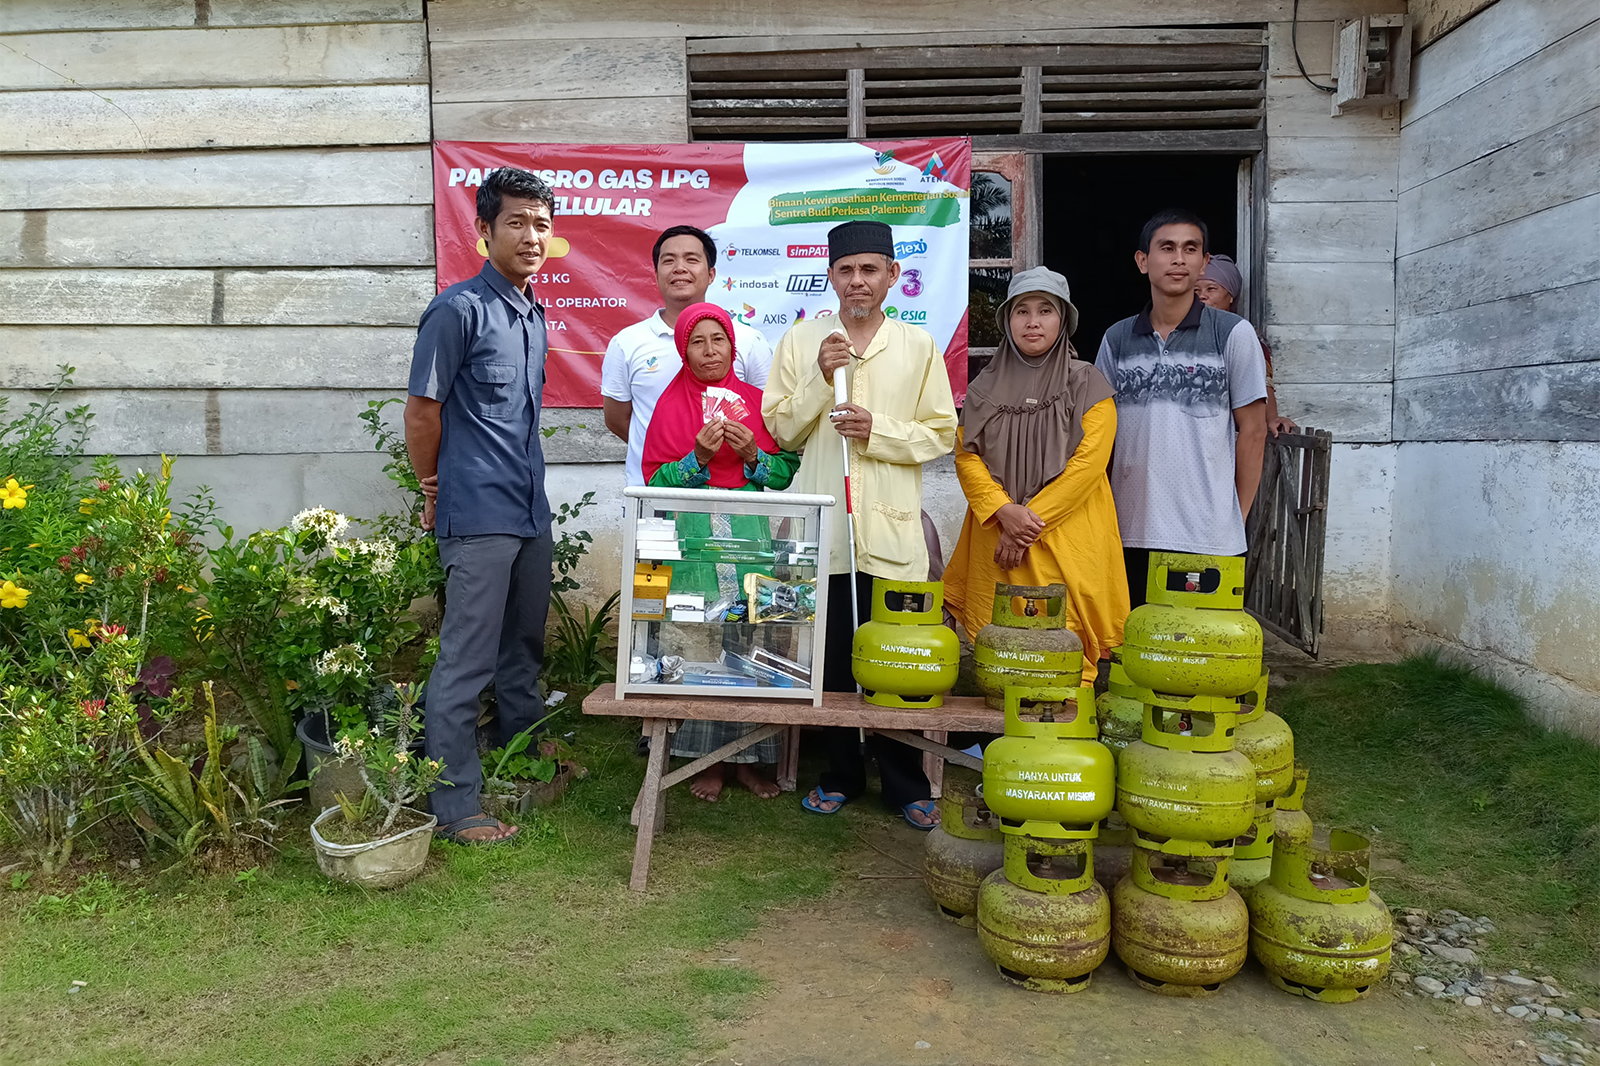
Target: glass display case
x: 723, y: 593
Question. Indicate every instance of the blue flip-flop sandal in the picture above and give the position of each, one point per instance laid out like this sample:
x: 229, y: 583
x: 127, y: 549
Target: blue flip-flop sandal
x: 927, y: 807
x: 826, y: 797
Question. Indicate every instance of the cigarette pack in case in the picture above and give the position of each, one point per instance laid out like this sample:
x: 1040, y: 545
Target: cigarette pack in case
x: 650, y: 584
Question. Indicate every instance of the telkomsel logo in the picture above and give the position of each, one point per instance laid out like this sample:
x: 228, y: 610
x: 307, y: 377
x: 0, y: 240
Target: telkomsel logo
x: 808, y: 251
x: 733, y: 251
x: 808, y: 284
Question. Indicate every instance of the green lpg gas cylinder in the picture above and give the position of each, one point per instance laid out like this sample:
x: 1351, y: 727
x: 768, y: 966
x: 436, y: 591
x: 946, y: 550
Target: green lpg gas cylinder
x: 1113, y: 851
x: 1252, y: 852
x: 1043, y: 919
x: 963, y: 849
x: 1267, y: 741
x: 1192, y: 642
x: 1290, y: 821
x: 1049, y: 776
x: 906, y: 656
x: 1033, y: 647
x: 1316, y: 926
x: 1176, y: 924
x: 1121, y: 712
x: 1188, y: 784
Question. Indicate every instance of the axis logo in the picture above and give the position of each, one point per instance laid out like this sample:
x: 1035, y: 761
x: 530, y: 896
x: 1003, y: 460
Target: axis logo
x: 911, y: 283
x: 907, y: 315
x: 749, y: 313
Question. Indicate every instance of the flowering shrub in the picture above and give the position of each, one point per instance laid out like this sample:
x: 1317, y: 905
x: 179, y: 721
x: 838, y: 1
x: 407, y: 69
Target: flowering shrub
x: 393, y: 775
x: 88, y: 566
x: 299, y: 620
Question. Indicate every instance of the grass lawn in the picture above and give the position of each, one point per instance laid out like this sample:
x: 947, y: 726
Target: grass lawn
x: 496, y: 955
x: 1474, y: 806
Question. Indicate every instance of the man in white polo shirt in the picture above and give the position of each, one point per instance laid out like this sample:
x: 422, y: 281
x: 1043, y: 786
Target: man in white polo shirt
x: 642, y: 360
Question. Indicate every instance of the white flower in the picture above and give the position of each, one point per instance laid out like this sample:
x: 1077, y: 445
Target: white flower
x: 345, y: 659
x: 381, y: 553
x: 330, y: 524
x: 333, y: 606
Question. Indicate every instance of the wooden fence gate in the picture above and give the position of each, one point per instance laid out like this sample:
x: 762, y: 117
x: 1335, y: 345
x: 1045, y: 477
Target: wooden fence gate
x: 1287, y: 534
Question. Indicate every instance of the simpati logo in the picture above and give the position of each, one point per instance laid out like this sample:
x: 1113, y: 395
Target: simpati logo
x: 911, y: 285
x: 808, y: 251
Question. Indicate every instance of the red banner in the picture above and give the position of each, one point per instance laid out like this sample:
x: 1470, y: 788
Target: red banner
x: 612, y: 201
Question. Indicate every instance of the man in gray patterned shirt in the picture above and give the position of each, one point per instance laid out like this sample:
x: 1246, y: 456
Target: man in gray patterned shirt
x: 1184, y: 473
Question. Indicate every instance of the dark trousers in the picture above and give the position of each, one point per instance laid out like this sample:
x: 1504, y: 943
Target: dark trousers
x: 497, y: 597
x: 1137, y: 563
x: 899, y: 765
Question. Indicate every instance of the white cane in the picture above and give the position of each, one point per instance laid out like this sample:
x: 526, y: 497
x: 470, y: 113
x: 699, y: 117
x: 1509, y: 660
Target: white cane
x: 841, y: 395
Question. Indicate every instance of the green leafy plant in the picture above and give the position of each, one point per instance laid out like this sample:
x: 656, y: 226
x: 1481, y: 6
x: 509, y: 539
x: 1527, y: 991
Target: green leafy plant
x: 579, y: 651
x: 512, y: 761
x: 186, y: 810
x: 393, y: 776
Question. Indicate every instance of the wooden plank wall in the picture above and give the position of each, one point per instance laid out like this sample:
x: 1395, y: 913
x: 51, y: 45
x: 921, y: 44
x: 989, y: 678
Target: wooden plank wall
x: 1330, y: 211
x: 1498, y: 270
x: 615, y: 73
x: 220, y: 213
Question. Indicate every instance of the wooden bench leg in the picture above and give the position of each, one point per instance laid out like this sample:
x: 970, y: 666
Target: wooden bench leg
x: 651, y: 806
x: 789, y: 761
x: 933, y: 764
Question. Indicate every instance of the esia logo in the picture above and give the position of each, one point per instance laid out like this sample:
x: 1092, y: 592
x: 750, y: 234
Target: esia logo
x: 808, y: 251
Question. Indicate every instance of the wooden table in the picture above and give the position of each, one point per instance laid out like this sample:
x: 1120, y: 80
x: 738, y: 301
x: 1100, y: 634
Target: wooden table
x: 925, y: 729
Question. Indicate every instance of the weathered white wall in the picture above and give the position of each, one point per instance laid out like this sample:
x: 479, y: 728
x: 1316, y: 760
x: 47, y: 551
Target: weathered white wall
x: 221, y: 214
x: 1497, y: 352
x: 1495, y: 547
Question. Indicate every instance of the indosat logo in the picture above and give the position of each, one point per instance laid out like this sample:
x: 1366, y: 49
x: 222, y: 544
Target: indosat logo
x: 908, y: 315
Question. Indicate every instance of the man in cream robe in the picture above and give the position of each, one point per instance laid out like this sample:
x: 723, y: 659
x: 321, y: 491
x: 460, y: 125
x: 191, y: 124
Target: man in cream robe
x: 900, y: 415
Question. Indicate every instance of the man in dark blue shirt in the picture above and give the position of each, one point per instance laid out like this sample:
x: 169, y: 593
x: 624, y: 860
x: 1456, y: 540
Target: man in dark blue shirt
x: 472, y: 430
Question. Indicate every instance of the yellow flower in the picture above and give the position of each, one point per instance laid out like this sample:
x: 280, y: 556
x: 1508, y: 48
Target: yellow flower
x: 86, y: 505
x: 78, y: 637
x: 15, y: 497
x: 84, y: 579
x: 12, y: 595
x: 291, y: 684
x: 401, y: 756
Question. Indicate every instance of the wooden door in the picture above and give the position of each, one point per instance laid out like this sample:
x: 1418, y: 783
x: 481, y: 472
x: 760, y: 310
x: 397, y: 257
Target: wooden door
x: 1005, y: 240
x: 1287, y: 535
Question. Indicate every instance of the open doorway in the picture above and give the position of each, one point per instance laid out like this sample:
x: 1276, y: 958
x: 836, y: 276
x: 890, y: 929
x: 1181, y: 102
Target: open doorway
x: 1093, y: 208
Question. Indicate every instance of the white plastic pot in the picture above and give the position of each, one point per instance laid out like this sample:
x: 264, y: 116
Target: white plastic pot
x: 386, y: 863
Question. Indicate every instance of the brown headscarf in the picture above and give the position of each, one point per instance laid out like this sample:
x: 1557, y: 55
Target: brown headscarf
x: 1024, y: 416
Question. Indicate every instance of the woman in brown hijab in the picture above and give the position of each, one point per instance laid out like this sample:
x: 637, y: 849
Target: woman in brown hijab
x: 1036, y: 436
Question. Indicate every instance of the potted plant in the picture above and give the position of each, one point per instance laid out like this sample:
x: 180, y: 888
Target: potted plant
x: 379, y: 841
x: 527, y: 771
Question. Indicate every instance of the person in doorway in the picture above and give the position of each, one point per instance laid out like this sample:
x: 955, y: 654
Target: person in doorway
x: 472, y: 432
x: 642, y: 359
x: 1031, y: 455
x: 1219, y: 287
x: 1183, y: 473
x: 682, y: 449
x: 900, y: 415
